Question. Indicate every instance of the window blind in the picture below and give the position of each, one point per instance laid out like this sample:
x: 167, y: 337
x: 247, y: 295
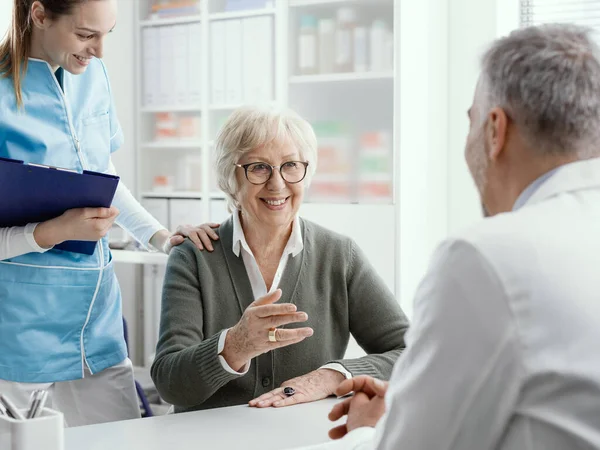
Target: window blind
x: 579, y: 12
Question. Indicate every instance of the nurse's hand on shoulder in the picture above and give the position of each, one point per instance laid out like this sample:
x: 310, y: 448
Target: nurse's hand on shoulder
x: 313, y: 386
x: 81, y: 224
x: 201, y: 235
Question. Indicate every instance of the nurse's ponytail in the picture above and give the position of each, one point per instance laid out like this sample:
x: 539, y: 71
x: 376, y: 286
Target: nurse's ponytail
x: 16, y: 45
x: 14, y: 49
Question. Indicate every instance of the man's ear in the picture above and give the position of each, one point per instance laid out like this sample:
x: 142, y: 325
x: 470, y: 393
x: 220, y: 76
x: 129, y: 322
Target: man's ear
x: 496, y: 132
x: 39, y: 18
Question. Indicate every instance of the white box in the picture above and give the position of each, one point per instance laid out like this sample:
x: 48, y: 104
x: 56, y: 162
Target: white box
x: 233, y: 62
x: 257, y: 59
x: 180, y: 69
x: 185, y: 211
x: 217, y: 57
x: 194, y: 63
x: 151, y: 67
x: 166, y: 63
x: 250, y: 60
x: 159, y: 208
x: 44, y: 432
x: 265, y: 67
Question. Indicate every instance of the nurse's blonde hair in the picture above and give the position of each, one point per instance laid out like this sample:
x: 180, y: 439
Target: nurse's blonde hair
x: 16, y: 45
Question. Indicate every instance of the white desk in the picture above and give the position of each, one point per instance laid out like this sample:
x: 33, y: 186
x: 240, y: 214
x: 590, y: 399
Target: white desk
x: 221, y: 428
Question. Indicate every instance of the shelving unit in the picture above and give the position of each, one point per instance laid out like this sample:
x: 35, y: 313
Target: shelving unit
x: 183, y: 194
x: 170, y: 108
x: 342, y: 77
x: 359, y: 103
x: 241, y: 14
x: 160, y: 145
x: 171, y: 21
x: 352, y: 112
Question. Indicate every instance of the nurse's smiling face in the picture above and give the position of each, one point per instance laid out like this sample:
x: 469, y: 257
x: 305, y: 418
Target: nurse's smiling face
x: 71, y: 41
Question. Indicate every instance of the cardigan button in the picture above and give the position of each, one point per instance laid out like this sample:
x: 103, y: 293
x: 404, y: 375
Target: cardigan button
x: 266, y: 381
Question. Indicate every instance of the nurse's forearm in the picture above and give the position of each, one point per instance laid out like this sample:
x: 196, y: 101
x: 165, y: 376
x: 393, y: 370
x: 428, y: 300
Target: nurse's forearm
x: 17, y: 241
x: 159, y: 239
x: 49, y: 233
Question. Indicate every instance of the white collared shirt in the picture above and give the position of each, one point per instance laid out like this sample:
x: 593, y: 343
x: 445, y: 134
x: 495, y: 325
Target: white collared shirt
x: 259, y: 288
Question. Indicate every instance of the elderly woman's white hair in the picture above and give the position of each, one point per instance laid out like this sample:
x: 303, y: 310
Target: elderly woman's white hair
x: 251, y: 127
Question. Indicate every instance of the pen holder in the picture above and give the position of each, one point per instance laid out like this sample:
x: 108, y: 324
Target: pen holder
x: 44, y: 432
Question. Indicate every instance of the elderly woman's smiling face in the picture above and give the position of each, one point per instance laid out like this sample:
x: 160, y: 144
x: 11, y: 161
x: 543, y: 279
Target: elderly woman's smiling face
x: 276, y: 202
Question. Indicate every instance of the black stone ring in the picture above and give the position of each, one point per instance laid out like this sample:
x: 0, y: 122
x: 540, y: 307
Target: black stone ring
x: 289, y: 391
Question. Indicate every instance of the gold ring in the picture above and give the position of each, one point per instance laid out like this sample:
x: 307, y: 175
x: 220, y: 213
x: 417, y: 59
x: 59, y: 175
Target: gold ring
x: 272, y: 335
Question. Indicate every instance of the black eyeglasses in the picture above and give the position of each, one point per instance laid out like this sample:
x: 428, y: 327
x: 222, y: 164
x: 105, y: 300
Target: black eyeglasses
x: 261, y: 172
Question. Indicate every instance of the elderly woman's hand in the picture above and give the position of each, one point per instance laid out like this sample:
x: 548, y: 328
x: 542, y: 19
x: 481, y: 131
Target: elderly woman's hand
x: 313, y: 386
x: 250, y: 336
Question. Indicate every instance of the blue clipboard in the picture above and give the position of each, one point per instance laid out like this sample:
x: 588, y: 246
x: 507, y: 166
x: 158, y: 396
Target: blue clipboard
x: 32, y: 193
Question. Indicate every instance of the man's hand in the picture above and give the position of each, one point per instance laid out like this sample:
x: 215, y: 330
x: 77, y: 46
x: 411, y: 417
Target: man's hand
x: 362, y: 383
x: 364, y: 409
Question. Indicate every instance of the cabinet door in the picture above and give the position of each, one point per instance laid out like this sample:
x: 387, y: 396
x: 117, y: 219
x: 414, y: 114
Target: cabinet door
x: 184, y: 212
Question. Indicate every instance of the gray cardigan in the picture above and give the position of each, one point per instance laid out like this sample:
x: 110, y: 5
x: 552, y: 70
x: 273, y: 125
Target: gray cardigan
x: 205, y: 293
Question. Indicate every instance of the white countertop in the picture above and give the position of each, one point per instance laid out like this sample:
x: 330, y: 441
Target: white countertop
x: 222, y: 428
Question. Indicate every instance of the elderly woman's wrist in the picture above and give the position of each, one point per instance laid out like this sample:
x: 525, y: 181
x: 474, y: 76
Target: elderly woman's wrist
x: 333, y: 378
x: 235, y: 358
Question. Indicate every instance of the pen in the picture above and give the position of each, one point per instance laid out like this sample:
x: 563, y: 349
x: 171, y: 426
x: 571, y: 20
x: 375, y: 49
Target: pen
x: 39, y: 407
x: 32, y: 400
x: 10, y: 408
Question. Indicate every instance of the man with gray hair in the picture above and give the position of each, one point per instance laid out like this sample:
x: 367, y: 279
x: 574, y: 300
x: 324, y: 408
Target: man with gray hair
x: 503, y: 350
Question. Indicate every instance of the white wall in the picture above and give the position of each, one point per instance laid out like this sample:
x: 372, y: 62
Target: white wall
x: 472, y: 28
x: 5, y: 13
x: 441, y: 42
x: 423, y: 128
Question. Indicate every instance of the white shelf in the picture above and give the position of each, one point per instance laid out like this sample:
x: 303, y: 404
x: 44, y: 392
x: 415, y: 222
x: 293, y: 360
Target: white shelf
x: 241, y: 14
x: 170, y: 21
x: 299, y: 3
x: 230, y: 107
x: 336, y: 77
x: 308, y: 3
x: 138, y: 257
x: 172, y: 144
x: 183, y: 194
x: 170, y: 108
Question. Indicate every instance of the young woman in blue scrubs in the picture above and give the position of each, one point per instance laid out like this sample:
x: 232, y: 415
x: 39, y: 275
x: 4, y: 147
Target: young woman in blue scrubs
x: 60, y: 312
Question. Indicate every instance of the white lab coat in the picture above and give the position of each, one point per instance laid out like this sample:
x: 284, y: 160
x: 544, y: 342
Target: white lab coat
x: 504, y: 348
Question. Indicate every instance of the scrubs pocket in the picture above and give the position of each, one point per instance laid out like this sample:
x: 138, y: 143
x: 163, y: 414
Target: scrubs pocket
x: 42, y: 312
x: 95, y: 141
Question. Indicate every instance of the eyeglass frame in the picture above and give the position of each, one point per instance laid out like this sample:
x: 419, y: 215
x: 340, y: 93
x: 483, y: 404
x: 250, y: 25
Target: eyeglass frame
x: 245, y: 167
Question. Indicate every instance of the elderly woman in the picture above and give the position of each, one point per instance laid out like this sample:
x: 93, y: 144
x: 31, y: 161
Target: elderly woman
x: 266, y: 317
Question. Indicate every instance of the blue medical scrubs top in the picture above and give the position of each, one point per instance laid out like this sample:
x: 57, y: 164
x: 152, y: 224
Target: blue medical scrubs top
x: 59, y: 311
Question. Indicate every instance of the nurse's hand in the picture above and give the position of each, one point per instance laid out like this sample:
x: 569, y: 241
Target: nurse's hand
x: 202, y: 236
x: 80, y: 224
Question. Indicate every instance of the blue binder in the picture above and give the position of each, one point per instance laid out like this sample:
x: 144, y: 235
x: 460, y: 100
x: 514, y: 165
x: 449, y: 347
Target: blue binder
x: 35, y: 193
